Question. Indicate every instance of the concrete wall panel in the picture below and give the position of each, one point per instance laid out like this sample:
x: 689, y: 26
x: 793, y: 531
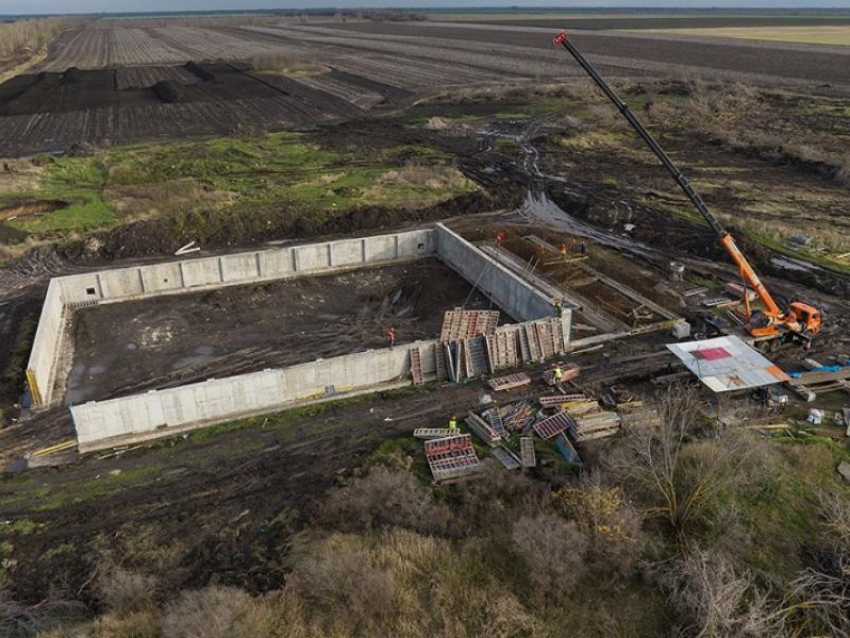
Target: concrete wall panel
x: 381, y: 248
x: 117, y: 284
x: 241, y: 267
x: 162, y: 277
x: 47, y: 343
x: 312, y: 257
x: 347, y: 253
x: 515, y: 296
x: 275, y: 263
x: 79, y: 288
x: 201, y: 272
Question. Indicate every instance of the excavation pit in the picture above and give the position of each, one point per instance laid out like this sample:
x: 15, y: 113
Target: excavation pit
x: 163, y: 342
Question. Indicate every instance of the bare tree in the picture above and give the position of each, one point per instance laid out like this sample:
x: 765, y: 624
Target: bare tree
x: 716, y: 601
x: 819, y: 598
x: 654, y: 460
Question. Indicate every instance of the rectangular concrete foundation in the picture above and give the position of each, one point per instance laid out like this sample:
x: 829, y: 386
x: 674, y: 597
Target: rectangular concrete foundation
x: 102, y: 424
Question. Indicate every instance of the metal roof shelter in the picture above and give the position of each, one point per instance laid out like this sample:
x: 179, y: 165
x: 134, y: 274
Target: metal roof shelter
x: 726, y: 364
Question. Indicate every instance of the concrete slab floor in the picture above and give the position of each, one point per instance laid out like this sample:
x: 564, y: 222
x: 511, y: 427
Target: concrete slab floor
x: 173, y: 340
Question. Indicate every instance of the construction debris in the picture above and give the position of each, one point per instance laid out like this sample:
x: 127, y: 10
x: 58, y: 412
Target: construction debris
x: 191, y: 247
x: 519, y: 416
x: 494, y: 418
x: 451, y: 458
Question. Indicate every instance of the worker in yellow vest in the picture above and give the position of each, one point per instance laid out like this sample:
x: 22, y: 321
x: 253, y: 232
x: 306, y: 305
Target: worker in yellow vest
x: 559, y: 308
x: 453, y: 429
x: 557, y: 373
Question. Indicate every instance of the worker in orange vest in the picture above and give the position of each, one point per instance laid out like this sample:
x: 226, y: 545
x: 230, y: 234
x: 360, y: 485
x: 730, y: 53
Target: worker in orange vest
x: 500, y: 239
x: 391, y: 336
x: 564, y: 252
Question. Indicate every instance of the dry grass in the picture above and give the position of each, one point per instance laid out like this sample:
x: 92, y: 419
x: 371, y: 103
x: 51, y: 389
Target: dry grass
x: 413, y: 182
x: 826, y: 34
x: 286, y: 65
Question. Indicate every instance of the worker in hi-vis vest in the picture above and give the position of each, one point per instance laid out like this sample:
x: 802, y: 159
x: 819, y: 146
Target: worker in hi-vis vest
x: 453, y: 424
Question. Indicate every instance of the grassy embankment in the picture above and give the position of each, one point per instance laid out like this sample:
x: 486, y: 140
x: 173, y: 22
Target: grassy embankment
x: 122, y: 185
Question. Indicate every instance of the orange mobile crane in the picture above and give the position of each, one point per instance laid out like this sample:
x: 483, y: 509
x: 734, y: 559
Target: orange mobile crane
x: 768, y: 328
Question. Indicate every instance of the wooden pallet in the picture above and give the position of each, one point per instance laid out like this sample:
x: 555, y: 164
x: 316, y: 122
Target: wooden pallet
x: 509, y: 382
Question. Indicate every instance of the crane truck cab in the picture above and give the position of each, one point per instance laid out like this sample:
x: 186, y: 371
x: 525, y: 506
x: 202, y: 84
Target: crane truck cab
x: 807, y: 316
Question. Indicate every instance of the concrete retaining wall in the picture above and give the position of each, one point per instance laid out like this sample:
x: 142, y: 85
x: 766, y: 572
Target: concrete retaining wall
x: 214, y: 272
x: 47, y: 344
x: 513, y: 295
x: 160, y: 413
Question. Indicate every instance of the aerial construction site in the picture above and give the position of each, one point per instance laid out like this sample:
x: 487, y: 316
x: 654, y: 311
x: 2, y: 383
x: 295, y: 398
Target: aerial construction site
x: 376, y: 322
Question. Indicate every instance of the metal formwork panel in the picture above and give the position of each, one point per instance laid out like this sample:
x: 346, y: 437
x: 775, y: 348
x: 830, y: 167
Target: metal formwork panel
x: 506, y: 457
x: 554, y: 425
x: 528, y: 457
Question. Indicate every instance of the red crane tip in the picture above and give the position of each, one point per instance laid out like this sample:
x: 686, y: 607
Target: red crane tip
x: 560, y: 38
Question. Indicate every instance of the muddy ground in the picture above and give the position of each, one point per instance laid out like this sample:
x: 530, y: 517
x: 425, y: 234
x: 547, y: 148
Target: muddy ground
x: 128, y: 347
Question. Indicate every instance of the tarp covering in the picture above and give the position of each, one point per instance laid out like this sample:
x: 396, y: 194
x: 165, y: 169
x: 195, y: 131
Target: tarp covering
x: 726, y: 364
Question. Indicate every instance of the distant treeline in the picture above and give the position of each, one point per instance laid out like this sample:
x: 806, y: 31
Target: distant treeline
x: 27, y: 36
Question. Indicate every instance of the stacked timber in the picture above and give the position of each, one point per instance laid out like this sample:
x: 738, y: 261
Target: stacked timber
x: 597, y: 425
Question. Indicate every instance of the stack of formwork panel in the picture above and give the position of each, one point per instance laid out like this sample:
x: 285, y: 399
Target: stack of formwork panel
x: 451, y: 458
x: 461, y: 324
x: 482, y: 429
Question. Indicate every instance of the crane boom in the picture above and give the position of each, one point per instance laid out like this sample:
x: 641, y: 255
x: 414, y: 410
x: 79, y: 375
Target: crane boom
x: 771, y: 309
